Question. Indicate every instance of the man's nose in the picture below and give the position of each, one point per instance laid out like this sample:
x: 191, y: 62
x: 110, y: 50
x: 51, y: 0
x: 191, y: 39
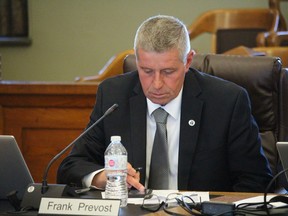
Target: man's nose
x: 158, y: 80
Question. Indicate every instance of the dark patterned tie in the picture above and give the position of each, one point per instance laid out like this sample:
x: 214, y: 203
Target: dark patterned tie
x: 159, y: 167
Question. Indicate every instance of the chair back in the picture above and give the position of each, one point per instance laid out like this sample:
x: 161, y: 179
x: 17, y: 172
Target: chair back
x: 260, y: 76
x: 225, y: 26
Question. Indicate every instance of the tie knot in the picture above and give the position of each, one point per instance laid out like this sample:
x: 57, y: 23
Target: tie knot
x: 160, y: 115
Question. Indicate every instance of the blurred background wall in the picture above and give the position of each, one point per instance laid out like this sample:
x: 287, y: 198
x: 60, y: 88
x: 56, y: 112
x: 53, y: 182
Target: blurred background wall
x: 73, y: 38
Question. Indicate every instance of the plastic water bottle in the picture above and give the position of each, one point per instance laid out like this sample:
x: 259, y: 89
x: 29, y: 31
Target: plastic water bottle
x: 116, y: 171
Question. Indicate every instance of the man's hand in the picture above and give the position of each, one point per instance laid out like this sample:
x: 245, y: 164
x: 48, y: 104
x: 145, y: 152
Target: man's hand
x: 99, y: 180
x: 133, y: 178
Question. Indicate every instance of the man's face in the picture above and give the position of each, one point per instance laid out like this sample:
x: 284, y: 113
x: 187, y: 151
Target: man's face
x: 162, y: 74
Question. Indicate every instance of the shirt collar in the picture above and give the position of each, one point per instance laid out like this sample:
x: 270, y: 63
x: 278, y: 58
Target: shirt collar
x: 173, y: 107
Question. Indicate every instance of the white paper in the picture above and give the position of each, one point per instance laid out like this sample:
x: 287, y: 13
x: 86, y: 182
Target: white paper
x: 260, y: 199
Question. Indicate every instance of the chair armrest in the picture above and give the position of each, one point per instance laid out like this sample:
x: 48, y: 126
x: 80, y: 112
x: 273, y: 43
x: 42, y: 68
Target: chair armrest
x: 113, y: 67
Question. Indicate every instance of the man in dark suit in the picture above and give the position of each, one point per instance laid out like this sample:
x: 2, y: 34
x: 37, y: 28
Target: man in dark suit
x: 213, y: 139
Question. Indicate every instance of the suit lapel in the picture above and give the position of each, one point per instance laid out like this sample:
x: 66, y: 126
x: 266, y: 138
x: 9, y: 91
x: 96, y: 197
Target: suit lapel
x: 138, y: 109
x: 191, y: 110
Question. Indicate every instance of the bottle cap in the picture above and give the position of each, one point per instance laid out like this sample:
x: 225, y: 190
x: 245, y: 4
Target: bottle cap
x: 115, y: 138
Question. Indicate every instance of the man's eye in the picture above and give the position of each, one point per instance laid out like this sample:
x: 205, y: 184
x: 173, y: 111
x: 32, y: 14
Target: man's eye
x: 168, y: 71
x: 147, y: 71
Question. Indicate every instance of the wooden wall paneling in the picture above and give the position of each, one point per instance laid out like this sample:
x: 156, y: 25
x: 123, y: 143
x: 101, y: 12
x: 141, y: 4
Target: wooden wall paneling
x: 44, y: 118
x: 44, y: 133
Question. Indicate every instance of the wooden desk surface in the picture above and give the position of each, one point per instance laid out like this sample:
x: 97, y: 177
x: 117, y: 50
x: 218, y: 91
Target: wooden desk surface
x: 231, y: 197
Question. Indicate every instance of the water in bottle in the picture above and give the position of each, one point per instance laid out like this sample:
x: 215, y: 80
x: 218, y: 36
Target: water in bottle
x: 116, y: 171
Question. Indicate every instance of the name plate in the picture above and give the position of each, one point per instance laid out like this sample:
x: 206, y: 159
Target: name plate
x: 67, y: 206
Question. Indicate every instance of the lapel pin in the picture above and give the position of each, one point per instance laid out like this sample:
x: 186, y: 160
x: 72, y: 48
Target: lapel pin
x: 191, y: 122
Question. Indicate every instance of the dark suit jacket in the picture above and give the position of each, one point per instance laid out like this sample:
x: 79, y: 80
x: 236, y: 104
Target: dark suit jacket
x: 221, y: 152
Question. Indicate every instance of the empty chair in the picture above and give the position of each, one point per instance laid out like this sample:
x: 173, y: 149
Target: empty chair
x: 230, y: 28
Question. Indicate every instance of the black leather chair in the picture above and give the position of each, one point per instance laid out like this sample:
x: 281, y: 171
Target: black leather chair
x: 267, y: 85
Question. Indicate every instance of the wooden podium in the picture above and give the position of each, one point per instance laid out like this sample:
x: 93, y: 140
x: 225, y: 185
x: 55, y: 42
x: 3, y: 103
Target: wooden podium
x: 44, y: 118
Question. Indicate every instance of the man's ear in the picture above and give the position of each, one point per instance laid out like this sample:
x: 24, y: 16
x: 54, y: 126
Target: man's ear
x: 189, y: 60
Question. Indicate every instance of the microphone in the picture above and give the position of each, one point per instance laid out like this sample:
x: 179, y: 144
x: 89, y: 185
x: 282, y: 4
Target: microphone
x: 34, y: 193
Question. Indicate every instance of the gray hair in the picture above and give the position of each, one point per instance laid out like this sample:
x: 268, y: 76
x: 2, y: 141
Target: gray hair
x: 162, y: 33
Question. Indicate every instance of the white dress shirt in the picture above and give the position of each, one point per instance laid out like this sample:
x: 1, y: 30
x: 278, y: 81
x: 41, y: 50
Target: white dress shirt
x: 173, y: 133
